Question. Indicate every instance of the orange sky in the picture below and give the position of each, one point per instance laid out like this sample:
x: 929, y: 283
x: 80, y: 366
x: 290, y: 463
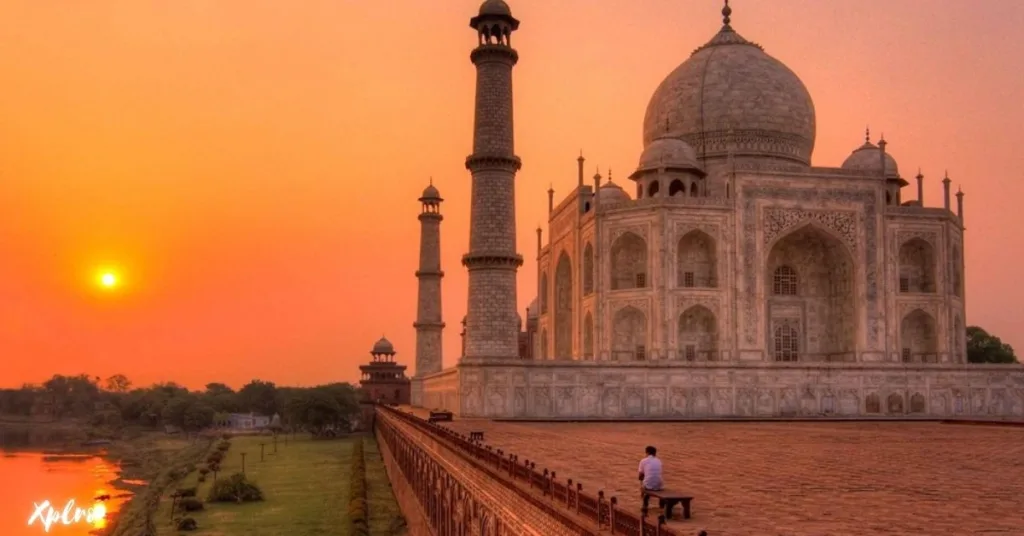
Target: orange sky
x: 253, y: 165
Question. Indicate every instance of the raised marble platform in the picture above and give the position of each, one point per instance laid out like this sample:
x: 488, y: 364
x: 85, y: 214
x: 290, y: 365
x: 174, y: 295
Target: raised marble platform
x: 584, y: 390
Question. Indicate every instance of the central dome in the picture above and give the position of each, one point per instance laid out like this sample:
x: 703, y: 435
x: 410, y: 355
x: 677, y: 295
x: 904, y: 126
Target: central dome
x: 729, y: 96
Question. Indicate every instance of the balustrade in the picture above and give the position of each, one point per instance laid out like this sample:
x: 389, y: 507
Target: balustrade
x: 452, y: 509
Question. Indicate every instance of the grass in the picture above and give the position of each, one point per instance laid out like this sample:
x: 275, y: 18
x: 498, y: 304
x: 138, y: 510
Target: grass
x: 385, y: 517
x: 305, y: 485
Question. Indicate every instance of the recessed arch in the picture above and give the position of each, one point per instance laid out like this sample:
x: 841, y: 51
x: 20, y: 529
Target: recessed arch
x: 956, y: 272
x: 809, y: 278
x: 588, y: 336
x: 544, y: 292
x: 917, y: 266
x: 697, y: 335
x: 629, y: 262
x: 563, y: 307
x: 629, y: 334
x: 588, y: 269
x: 543, y: 343
x: 653, y: 188
x: 918, y: 338
x: 696, y: 260
x: 676, y: 187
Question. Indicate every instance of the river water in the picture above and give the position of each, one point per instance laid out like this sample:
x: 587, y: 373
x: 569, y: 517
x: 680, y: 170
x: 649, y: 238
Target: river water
x: 30, y: 478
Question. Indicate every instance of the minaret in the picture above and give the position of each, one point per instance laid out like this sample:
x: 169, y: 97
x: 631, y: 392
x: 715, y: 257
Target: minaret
x: 945, y: 191
x: 492, y: 325
x: 428, y: 305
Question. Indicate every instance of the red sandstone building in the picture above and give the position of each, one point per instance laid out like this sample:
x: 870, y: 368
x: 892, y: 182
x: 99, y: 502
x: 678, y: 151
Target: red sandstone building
x: 383, y: 380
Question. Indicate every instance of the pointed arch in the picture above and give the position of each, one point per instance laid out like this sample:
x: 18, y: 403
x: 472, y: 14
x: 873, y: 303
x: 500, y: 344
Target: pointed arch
x: 697, y: 260
x: 676, y: 187
x: 958, y: 339
x: 588, y: 336
x: 697, y: 336
x: 629, y: 335
x: 543, y: 353
x: 544, y: 292
x: 693, y: 189
x: 563, y: 307
x: 918, y: 338
x: 653, y: 188
x: 810, y: 285
x: 917, y: 267
x: 629, y: 262
x: 956, y: 273
x: 588, y: 269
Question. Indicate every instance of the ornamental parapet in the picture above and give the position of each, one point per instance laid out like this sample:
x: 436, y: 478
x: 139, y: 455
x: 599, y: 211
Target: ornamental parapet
x: 482, y: 162
x: 483, y: 260
x: 494, y: 52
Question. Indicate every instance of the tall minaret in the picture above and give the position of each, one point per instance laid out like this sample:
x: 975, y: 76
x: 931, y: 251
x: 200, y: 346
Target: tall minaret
x: 492, y: 325
x: 428, y: 305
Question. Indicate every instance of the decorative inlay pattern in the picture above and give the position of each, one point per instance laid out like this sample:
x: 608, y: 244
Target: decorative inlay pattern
x: 779, y: 220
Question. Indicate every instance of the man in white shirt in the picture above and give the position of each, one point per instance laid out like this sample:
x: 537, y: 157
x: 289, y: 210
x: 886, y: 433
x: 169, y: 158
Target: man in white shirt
x: 650, y: 474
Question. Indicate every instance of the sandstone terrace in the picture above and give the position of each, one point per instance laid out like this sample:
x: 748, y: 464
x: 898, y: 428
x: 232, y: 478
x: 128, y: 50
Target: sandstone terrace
x: 795, y: 478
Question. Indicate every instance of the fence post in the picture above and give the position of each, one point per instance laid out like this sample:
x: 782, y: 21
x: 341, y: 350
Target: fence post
x: 611, y: 512
x: 547, y: 484
x: 600, y: 506
x: 579, y: 490
x: 551, y: 485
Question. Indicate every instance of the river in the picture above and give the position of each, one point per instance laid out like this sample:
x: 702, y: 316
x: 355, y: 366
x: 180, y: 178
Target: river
x: 37, y: 486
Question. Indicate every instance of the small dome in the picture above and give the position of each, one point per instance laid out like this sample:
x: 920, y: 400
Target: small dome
x: 430, y: 193
x: 383, y: 346
x: 533, y: 309
x: 868, y: 158
x: 668, y: 153
x: 612, y: 193
x: 495, y: 7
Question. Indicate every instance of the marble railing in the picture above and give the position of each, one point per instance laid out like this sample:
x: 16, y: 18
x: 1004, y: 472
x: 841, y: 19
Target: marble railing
x: 566, y: 502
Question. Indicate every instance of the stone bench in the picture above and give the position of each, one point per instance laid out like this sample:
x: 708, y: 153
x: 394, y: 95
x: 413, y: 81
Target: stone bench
x: 440, y: 416
x: 476, y: 436
x: 668, y: 498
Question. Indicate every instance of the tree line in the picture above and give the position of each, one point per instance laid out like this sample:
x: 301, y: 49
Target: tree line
x: 115, y: 403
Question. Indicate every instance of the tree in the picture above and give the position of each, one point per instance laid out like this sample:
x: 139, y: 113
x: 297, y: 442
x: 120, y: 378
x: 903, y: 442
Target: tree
x: 258, y: 396
x: 118, y: 383
x: 198, y: 415
x: 983, y: 347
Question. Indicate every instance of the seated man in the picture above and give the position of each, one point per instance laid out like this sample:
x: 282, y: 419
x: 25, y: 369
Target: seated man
x: 650, y: 474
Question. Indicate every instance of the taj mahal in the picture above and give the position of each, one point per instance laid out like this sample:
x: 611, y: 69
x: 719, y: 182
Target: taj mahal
x: 725, y: 277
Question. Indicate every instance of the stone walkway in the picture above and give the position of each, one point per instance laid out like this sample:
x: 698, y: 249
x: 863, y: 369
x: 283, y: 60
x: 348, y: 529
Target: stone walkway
x: 816, y: 479
x: 523, y: 517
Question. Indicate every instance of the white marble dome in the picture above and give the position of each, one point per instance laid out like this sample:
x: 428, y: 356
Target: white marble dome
x: 495, y: 7
x: 730, y: 96
x: 668, y: 153
x: 612, y: 193
x: 868, y: 158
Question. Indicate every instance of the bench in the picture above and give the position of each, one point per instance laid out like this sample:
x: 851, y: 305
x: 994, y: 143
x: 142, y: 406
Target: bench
x: 668, y: 498
x: 476, y: 436
x: 440, y: 416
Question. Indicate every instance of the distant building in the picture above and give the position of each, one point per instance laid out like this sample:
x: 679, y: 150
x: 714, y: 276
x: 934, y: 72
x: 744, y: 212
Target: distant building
x: 383, y: 380
x: 248, y: 421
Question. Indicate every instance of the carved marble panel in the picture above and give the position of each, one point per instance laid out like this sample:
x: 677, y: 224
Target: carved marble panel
x: 565, y: 401
x: 496, y: 398
x: 928, y: 235
x: 779, y: 220
x: 657, y: 401
x: 641, y: 230
x: 611, y: 402
x: 541, y: 401
x: 678, y: 402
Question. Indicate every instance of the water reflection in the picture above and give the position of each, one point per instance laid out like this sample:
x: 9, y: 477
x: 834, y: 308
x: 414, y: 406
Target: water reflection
x: 28, y: 479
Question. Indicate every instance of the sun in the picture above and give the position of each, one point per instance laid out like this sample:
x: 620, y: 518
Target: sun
x: 108, y: 279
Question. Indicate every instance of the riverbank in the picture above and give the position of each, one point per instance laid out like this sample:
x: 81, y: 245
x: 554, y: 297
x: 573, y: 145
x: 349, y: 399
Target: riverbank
x: 305, y: 485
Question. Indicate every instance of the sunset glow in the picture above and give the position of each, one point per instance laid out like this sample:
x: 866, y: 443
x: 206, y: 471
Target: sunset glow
x: 251, y: 169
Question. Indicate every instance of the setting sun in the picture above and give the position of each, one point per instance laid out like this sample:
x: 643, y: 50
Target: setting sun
x: 108, y: 279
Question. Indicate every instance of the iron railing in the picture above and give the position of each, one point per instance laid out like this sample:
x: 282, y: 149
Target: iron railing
x: 562, y: 501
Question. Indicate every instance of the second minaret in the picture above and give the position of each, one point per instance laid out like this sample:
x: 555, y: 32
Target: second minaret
x: 492, y: 327
x: 429, y: 325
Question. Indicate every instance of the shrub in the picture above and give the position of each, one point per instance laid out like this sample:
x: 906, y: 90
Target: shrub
x: 204, y: 471
x: 215, y: 457
x: 201, y: 478
x: 186, y: 492
x: 190, y: 504
x: 358, y: 512
x: 187, y: 524
x: 223, y: 446
x: 235, y: 488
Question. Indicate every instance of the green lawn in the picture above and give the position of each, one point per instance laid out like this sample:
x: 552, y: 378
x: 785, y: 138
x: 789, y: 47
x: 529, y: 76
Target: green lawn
x: 385, y: 516
x: 305, y: 486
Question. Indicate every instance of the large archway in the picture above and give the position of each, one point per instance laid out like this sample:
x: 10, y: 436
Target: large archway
x: 696, y: 261
x: 563, y: 308
x: 629, y: 262
x: 629, y: 335
x: 543, y: 293
x: 917, y: 267
x: 918, y: 338
x: 698, y: 334
x: 811, y: 301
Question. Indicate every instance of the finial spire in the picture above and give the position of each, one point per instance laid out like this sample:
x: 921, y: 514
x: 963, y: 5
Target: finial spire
x: 726, y: 11
x: 431, y: 180
x: 867, y: 134
x: 609, y: 174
